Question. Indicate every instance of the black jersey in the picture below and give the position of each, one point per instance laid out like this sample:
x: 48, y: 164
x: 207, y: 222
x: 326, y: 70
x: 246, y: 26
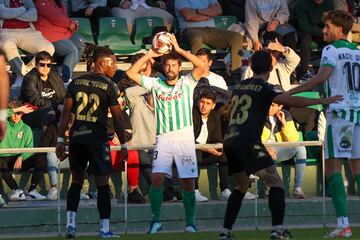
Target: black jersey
x: 92, y: 96
x: 250, y: 103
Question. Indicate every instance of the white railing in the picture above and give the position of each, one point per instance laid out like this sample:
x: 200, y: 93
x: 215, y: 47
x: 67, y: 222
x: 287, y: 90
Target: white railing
x: 198, y: 146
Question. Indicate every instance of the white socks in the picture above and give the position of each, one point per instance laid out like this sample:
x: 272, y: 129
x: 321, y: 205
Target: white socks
x: 343, y: 221
x: 105, y: 225
x: 70, y: 219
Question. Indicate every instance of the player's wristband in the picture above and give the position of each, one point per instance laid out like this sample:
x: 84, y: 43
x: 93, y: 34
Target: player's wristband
x: 3, y: 115
x: 60, y: 140
x: 123, y: 145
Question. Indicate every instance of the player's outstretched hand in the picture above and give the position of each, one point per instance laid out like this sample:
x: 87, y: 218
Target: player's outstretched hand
x: 60, y: 151
x: 333, y: 99
x: 154, y: 54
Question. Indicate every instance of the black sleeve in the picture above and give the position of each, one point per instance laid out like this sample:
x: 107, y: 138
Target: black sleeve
x: 269, y: 92
x: 113, y: 95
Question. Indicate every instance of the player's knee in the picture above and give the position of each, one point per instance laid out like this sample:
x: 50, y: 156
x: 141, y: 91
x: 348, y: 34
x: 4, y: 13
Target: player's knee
x: 273, y: 180
x: 188, y: 184
x: 242, y: 187
x: 156, y: 180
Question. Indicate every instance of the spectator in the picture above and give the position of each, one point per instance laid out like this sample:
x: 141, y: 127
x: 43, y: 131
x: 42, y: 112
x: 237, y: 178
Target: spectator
x: 44, y: 90
x: 197, y: 27
x: 19, y: 135
x: 4, y: 93
x: 214, y: 79
x: 54, y: 23
x: 282, y: 69
x: 234, y: 8
x: 17, y: 32
x: 207, y: 129
x: 92, y: 9
x: 264, y: 17
x: 279, y: 127
x: 308, y: 20
x: 134, y: 195
x: 132, y: 9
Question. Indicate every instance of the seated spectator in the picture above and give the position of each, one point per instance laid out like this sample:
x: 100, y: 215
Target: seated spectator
x: 279, y: 127
x: 264, y: 17
x: 132, y: 9
x: 92, y: 9
x: 207, y: 129
x: 282, y: 68
x: 44, y: 89
x: 214, y: 80
x: 234, y: 8
x: 17, y: 32
x: 54, y: 23
x: 19, y: 135
x: 197, y: 27
x: 309, y: 25
x: 134, y: 195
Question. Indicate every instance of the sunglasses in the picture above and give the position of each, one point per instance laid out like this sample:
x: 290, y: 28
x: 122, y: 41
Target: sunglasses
x: 19, y: 113
x: 45, y: 64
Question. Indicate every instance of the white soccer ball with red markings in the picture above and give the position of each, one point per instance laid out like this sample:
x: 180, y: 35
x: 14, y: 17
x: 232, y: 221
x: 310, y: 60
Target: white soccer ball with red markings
x: 161, y: 43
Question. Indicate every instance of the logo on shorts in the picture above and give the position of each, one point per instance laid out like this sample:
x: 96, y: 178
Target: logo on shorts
x: 186, y: 160
x: 345, y: 144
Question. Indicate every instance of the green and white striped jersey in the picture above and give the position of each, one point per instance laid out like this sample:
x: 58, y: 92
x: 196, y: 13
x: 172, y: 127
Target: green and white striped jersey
x: 344, y: 57
x: 173, y: 104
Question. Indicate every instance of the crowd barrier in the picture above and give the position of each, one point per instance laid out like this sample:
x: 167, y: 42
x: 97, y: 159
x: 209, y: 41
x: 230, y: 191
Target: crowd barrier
x: 198, y: 146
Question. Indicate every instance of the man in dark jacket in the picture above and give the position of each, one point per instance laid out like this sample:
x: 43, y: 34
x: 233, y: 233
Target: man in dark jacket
x: 207, y: 129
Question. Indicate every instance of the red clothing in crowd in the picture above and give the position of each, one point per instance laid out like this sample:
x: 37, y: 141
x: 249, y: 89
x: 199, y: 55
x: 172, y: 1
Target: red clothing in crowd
x: 15, y: 23
x: 53, y: 21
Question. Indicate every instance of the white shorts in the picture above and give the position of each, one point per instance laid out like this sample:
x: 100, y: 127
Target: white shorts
x: 342, y: 138
x: 181, y: 152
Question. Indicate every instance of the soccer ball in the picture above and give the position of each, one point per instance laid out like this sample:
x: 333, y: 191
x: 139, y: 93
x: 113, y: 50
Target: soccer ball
x: 161, y: 43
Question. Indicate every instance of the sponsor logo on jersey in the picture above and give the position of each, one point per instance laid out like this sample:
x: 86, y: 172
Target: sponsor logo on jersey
x: 169, y: 97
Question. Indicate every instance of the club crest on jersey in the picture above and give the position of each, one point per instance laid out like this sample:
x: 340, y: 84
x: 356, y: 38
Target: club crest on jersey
x: 169, y: 97
x: 20, y: 134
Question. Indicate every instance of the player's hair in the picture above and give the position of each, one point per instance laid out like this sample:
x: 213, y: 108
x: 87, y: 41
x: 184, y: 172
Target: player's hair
x: 261, y: 62
x: 208, y: 95
x: 100, y: 52
x: 136, y: 58
x: 43, y: 55
x: 340, y: 18
x: 173, y: 56
x: 204, y: 52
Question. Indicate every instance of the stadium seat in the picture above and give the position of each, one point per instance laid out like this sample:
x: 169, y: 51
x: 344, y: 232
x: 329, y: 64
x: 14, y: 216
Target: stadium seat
x: 224, y: 22
x: 144, y: 27
x: 85, y: 29
x: 114, y: 34
x: 318, y: 107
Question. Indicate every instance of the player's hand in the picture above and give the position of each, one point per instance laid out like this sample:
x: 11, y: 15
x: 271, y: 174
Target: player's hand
x: 281, y: 116
x: 154, y: 54
x: 257, y: 46
x: 174, y: 42
x: 126, y: 4
x: 25, y: 109
x: 60, y: 151
x: 214, y: 152
x: 2, y: 129
x: 18, y: 164
x: 124, y: 152
x: 115, y: 140
x: 272, y: 152
x: 89, y: 11
x: 333, y: 99
x: 272, y: 25
x: 276, y: 46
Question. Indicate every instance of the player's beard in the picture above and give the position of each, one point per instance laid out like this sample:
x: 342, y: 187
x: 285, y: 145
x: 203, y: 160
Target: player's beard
x: 172, y: 76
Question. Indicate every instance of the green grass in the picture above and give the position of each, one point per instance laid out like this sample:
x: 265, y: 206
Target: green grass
x: 299, y: 234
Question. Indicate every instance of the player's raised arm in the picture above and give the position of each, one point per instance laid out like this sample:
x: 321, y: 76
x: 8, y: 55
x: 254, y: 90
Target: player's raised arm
x: 199, y: 65
x: 293, y: 101
x: 134, y: 71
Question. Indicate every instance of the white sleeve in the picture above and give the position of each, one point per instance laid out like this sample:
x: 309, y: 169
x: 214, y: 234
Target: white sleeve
x: 328, y: 56
x: 148, y: 82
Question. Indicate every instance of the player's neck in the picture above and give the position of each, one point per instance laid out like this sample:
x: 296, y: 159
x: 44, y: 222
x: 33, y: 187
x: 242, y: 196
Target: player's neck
x: 263, y: 76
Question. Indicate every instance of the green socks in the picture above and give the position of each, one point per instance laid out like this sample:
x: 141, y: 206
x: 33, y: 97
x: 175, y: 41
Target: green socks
x: 357, y: 180
x: 338, y: 194
x: 156, y: 198
x: 189, y: 205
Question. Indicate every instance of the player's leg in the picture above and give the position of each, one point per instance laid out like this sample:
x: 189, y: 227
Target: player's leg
x: 186, y: 164
x: 338, y: 130
x: 78, y: 162
x: 276, y: 201
x: 162, y: 165
x: 234, y: 202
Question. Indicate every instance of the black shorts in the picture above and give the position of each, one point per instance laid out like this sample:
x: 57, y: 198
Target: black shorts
x: 97, y: 155
x: 247, y: 156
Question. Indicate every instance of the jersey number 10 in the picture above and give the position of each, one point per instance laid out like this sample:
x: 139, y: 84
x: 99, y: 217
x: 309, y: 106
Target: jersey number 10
x: 352, y: 71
